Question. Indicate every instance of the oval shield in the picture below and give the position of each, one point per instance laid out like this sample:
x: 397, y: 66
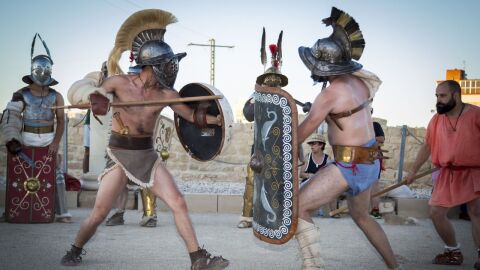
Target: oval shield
x: 204, y: 144
x: 275, y: 203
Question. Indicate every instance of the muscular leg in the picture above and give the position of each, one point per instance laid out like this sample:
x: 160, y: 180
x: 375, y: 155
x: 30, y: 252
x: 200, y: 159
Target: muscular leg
x: 474, y: 212
x: 325, y: 186
x: 121, y: 201
x: 112, y: 184
x: 358, y: 206
x: 443, y: 226
x: 164, y: 187
x: 322, y: 188
x: 375, y: 201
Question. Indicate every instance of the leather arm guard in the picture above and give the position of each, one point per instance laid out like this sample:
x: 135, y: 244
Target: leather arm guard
x: 100, y: 104
x: 200, y: 115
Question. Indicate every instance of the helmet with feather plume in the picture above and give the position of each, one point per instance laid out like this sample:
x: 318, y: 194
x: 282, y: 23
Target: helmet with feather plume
x: 143, y: 33
x: 41, y: 66
x: 333, y: 55
x: 272, y: 76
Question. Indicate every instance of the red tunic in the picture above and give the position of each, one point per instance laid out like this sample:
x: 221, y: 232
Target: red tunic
x: 457, y: 153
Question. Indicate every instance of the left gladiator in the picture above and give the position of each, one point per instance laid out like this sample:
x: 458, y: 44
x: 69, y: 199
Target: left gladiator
x: 32, y: 133
x: 131, y: 157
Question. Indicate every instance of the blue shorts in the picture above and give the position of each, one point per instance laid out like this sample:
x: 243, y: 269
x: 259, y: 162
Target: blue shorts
x: 359, y: 176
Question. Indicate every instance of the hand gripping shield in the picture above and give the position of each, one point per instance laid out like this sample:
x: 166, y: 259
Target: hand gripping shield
x: 201, y: 141
x: 275, y: 158
x: 30, y: 196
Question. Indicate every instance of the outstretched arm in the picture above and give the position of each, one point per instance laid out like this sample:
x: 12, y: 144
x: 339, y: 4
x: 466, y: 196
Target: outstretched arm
x: 322, y: 105
x: 187, y: 113
x: 59, y: 114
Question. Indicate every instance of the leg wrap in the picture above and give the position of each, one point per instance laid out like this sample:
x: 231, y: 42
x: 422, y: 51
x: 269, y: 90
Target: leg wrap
x: 248, y: 194
x: 148, y: 200
x: 308, y: 238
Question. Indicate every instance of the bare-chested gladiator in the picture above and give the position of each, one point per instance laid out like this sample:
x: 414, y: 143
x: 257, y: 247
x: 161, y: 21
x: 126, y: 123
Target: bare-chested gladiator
x: 132, y: 157
x: 344, y: 104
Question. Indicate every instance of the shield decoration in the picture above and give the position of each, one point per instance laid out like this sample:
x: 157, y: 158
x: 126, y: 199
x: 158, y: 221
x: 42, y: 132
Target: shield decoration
x: 30, y: 194
x: 204, y: 144
x: 275, y: 203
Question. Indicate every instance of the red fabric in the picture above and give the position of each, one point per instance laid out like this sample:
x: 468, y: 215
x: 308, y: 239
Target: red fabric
x: 34, y: 202
x: 457, y: 153
x: 71, y: 183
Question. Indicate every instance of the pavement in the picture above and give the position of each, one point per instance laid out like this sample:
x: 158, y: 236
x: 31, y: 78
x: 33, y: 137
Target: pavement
x: 41, y: 246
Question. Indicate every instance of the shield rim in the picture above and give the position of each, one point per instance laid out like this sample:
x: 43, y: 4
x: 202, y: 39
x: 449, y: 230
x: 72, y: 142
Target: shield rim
x: 177, y: 127
x: 293, y: 228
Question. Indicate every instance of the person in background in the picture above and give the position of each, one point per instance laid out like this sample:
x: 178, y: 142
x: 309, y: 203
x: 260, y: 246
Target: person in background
x: 452, y: 140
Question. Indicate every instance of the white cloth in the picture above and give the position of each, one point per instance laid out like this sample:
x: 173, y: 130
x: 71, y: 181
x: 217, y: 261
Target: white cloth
x: 86, y: 135
x: 372, y: 81
x: 38, y: 140
x: 11, y: 124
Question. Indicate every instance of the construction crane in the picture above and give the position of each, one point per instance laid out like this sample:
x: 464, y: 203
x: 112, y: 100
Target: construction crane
x: 212, y: 56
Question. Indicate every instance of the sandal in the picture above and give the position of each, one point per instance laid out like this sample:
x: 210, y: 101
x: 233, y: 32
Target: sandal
x: 64, y: 220
x: 115, y: 219
x: 149, y: 221
x: 453, y: 257
x: 201, y: 259
x: 73, y: 256
x: 244, y: 224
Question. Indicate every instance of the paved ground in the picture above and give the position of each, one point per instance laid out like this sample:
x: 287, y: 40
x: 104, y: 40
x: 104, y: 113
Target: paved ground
x: 40, y: 246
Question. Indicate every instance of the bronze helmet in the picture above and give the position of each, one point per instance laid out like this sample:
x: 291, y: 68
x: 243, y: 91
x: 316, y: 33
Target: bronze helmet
x: 333, y: 55
x: 142, y: 33
x: 272, y: 76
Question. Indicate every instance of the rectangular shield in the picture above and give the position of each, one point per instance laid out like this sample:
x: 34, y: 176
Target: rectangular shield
x: 30, y: 194
x: 275, y: 202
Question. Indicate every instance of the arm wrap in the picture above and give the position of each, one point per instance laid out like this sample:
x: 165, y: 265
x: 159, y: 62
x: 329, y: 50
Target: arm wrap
x: 80, y: 90
x: 11, y: 122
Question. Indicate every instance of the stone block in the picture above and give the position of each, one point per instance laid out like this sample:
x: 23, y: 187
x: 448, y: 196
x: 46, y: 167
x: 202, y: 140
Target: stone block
x: 419, y: 208
x: 202, y: 203
x: 230, y: 204
x: 411, y: 207
x: 86, y: 199
x: 72, y: 199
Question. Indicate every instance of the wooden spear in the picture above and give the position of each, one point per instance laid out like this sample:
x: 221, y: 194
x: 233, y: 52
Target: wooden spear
x: 387, y: 189
x: 144, y: 103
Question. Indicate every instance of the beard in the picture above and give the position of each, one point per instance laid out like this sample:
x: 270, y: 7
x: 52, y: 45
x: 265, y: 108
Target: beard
x: 443, y: 108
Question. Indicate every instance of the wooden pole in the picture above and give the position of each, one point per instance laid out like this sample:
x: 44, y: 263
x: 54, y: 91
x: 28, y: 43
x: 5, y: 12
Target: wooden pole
x: 144, y: 103
x: 387, y: 189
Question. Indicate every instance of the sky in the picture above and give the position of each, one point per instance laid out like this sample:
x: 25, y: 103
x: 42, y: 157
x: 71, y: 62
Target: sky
x: 409, y: 44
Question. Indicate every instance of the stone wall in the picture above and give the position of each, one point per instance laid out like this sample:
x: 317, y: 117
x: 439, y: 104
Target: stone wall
x: 230, y: 166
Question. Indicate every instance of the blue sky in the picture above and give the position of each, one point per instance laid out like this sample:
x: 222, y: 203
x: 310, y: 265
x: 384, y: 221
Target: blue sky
x: 409, y: 44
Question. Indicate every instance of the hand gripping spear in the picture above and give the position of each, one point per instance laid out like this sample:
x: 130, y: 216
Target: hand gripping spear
x: 139, y: 103
x: 403, y: 182
x: 100, y: 105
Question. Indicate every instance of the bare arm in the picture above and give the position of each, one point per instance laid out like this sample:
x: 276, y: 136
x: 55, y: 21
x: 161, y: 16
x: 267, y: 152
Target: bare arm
x: 321, y: 107
x: 59, y: 115
x: 108, y: 85
x: 380, y: 139
x: 186, y: 112
x: 422, y: 156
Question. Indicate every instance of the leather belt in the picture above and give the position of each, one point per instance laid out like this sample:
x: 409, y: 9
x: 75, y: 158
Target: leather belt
x: 356, y: 154
x: 130, y: 142
x: 38, y: 130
